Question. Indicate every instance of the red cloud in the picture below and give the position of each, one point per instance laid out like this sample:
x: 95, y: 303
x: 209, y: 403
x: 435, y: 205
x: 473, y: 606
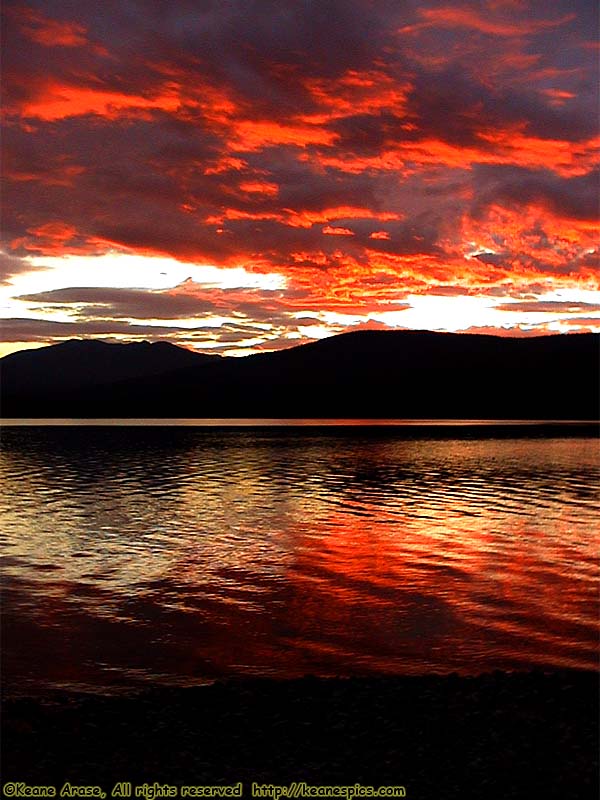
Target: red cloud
x: 52, y: 237
x: 334, y: 231
x: 54, y: 101
x: 259, y: 187
x: 457, y: 17
x: 49, y: 32
x: 359, y: 164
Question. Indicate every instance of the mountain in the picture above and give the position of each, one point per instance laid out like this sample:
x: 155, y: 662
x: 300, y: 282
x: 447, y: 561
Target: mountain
x: 78, y: 363
x: 377, y: 374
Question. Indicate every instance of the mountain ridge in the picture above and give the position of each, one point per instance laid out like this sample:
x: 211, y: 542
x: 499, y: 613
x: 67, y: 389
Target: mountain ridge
x: 417, y: 374
x: 91, y: 362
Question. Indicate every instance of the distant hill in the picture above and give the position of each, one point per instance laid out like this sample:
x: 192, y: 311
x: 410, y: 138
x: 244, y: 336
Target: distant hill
x: 79, y: 363
x: 366, y: 374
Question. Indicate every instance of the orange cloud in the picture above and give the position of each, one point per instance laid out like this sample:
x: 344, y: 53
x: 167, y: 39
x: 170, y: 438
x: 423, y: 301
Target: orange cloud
x: 497, y: 147
x: 455, y: 17
x: 53, y: 175
x: 358, y: 164
x: 531, y: 240
x: 259, y: 187
x: 51, y: 236
x: 379, y: 235
x: 226, y: 164
x: 332, y: 231
x: 248, y: 135
x: 60, y: 101
x: 305, y: 219
x: 49, y: 32
x: 356, y: 92
x: 558, y: 97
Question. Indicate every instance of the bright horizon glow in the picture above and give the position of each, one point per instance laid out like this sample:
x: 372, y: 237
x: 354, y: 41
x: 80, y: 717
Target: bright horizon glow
x: 129, y: 270
x: 153, y: 274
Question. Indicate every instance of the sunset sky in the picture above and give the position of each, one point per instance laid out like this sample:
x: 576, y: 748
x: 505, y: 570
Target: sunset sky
x: 237, y: 176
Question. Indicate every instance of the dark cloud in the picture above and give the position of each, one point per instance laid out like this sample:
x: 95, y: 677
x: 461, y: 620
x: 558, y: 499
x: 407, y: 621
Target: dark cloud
x: 582, y: 323
x: 12, y: 265
x: 262, y: 51
x: 241, y: 133
x: 549, y: 307
x: 202, y: 336
x: 135, y: 303
x: 183, y: 302
x: 574, y: 198
x: 42, y: 330
x: 496, y: 259
x: 459, y: 109
x: 372, y: 133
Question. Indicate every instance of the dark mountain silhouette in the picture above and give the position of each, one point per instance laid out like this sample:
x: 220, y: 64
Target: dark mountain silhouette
x: 377, y: 374
x: 77, y: 363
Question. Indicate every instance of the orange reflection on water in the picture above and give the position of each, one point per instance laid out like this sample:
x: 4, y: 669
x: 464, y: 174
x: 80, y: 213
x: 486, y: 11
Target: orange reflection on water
x: 181, y: 555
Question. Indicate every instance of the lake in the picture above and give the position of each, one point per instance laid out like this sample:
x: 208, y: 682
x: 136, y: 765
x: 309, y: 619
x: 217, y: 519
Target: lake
x: 143, y: 554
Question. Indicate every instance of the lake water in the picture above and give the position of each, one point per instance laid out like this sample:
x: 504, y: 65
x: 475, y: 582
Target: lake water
x: 178, y: 554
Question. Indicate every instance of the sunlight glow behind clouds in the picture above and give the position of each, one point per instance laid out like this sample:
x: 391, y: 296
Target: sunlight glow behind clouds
x: 134, y: 271
x: 261, y: 179
x: 548, y: 311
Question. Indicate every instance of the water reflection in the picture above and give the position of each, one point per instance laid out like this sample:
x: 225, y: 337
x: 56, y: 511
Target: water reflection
x: 178, y: 555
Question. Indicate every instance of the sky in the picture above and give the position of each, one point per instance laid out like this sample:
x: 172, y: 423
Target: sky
x: 238, y: 176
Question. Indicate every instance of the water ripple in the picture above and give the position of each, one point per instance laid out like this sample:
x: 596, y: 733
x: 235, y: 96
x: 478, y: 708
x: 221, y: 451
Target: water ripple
x: 197, y: 554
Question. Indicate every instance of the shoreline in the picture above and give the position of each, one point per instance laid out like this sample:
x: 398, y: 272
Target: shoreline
x: 510, y: 735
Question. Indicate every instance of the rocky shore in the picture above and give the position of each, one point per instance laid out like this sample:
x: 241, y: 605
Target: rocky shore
x: 501, y: 735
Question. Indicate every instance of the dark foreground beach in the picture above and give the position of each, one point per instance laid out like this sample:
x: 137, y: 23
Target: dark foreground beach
x: 519, y: 735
